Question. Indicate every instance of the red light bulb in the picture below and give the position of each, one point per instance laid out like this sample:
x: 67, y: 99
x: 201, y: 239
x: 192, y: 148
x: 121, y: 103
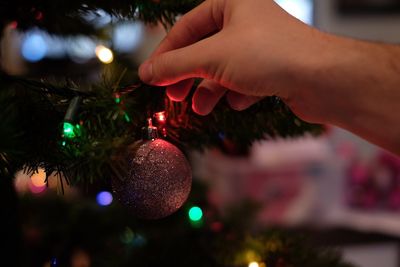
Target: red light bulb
x: 161, y: 117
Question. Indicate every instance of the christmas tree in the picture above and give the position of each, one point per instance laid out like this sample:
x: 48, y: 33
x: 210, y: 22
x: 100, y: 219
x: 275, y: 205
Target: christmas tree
x: 88, y: 133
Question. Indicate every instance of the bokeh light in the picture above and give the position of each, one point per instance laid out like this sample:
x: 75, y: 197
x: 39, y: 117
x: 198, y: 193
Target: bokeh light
x: 39, y: 179
x: 53, y: 262
x: 81, y: 49
x: 13, y: 24
x: 34, y: 46
x: 127, y: 36
x: 104, y: 54
x: 139, y: 241
x: 36, y: 189
x: 80, y: 258
x: 104, y: 198
x: 56, y: 46
x: 195, y: 214
x: 127, y: 236
x: 254, y: 264
x: 37, y: 182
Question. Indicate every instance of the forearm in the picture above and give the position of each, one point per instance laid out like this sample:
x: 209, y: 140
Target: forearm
x: 356, y: 85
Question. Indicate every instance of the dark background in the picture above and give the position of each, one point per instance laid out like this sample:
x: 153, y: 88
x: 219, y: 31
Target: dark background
x: 368, y: 6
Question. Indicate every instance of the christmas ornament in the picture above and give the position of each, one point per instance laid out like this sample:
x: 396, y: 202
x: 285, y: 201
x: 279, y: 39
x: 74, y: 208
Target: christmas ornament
x: 158, y: 180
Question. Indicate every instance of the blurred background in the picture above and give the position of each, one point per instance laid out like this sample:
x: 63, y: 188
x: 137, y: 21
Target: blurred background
x: 340, y: 190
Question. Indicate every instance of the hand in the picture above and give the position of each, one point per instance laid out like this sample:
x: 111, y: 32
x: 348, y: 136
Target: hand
x: 249, y: 49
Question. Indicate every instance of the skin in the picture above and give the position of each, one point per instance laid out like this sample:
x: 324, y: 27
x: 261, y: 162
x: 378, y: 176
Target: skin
x: 250, y: 49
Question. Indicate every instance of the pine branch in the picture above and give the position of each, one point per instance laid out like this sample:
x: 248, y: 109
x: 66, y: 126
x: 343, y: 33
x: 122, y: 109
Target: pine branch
x: 42, y: 86
x: 68, y: 17
x: 235, y: 131
x: 31, y: 133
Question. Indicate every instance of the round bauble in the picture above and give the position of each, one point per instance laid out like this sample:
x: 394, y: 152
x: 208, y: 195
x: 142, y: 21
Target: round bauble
x: 158, y: 179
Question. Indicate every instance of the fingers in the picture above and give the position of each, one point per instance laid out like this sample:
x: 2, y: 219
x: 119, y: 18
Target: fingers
x: 195, y: 60
x: 179, y: 91
x: 240, y: 102
x: 180, y: 49
x: 206, y: 96
x: 209, y: 93
x: 192, y: 27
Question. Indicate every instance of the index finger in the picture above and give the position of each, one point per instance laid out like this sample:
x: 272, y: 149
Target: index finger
x: 192, y: 27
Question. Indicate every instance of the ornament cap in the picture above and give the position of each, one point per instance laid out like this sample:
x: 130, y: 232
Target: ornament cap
x: 150, y: 132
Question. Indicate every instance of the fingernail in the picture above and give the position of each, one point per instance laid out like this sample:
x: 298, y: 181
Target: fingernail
x: 201, y: 105
x: 146, y: 72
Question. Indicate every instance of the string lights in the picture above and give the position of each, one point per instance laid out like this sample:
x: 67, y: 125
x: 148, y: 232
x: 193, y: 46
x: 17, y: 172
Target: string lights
x: 70, y: 129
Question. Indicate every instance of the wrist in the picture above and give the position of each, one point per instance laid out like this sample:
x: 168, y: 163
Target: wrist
x: 354, y: 85
x: 313, y: 84
x: 334, y: 79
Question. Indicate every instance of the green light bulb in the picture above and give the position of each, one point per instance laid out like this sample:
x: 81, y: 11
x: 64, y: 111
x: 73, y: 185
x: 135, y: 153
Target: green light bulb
x: 195, y: 214
x: 69, y: 130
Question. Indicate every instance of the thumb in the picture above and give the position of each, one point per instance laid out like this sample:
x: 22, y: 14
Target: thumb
x: 194, y: 61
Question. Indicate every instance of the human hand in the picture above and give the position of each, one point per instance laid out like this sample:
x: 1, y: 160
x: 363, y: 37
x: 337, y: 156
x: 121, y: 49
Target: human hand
x: 249, y: 49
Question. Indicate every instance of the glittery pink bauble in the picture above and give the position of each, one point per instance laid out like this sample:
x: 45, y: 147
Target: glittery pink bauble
x: 158, y: 180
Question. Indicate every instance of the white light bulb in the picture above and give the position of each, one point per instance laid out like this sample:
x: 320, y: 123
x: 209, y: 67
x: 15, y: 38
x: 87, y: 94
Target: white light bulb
x: 253, y: 264
x: 104, y: 54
